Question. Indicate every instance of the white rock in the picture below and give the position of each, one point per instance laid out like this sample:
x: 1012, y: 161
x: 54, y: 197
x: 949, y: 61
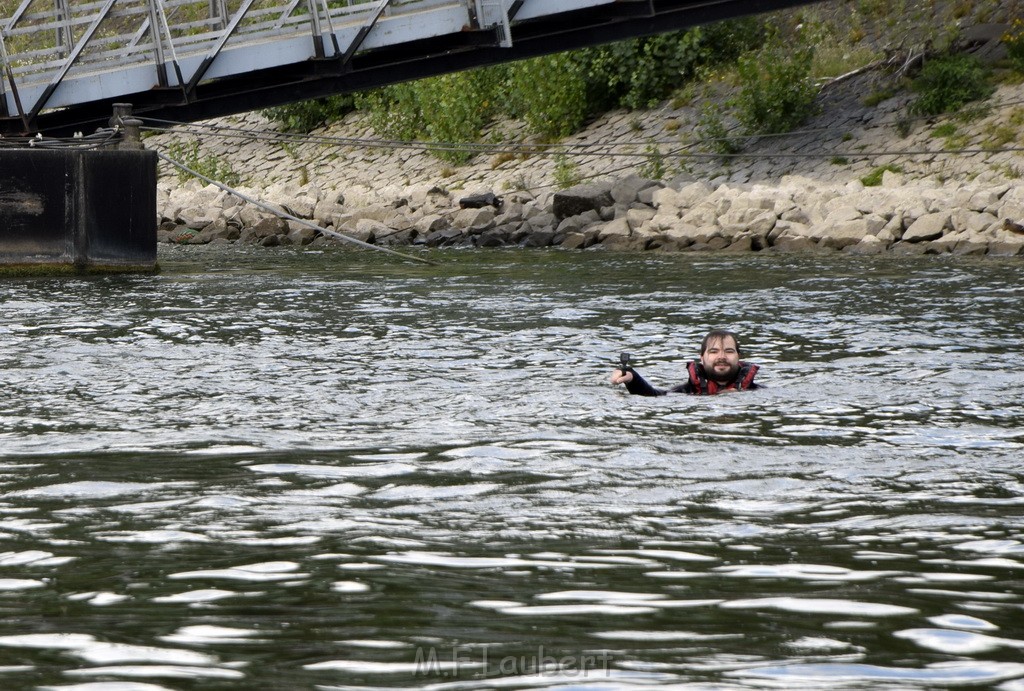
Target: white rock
x: 616, y: 226
x: 971, y: 221
x: 683, y: 231
x: 928, y: 227
x: 468, y: 218
x: 667, y: 198
x: 638, y: 217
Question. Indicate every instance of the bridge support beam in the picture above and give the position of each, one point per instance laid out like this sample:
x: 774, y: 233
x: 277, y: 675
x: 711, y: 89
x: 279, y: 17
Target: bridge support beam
x: 77, y: 210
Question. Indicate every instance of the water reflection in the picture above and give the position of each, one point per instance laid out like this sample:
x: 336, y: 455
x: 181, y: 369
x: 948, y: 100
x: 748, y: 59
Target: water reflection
x: 296, y: 471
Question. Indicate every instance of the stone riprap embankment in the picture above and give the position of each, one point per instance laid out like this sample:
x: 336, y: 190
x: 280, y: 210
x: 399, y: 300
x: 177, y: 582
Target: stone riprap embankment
x: 797, y: 214
x: 800, y: 192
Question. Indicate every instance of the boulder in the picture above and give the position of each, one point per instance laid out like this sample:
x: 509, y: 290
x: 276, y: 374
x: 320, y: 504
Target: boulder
x: 539, y: 238
x: 431, y: 223
x: 301, y: 206
x: 447, y: 236
x: 427, y: 195
x: 646, y: 195
x: 367, y: 230
x: 466, y: 218
x: 927, y: 227
x: 220, y: 230
x: 972, y: 221
x: 742, y: 243
x: 270, y: 227
x: 622, y: 243
x: 661, y: 222
x: 396, y: 236
x: 683, y: 233
x: 197, y: 217
x: 789, y: 229
x: 248, y: 216
x: 794, y: 243
x: 627, y: 190
x: 1013, y: 211
x: 327, y: 209
x: 1006, y: 244
x: 971, y: 245
x: 668, y: 199
x: 638, y: 217
x: 495, y: 237
x: 578, y: 222
x: 578, y: 240
x: 712, y: 244
x: 580, y: 198
x: 796, y: 215
x: 987, y: 199
x: 701, y: 215
x: 303, y: 236
x: 618, y: 227
x: 869, y: 244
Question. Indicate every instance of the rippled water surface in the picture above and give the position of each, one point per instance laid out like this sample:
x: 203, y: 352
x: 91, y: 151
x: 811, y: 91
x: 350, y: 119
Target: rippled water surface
x: 334, y: 471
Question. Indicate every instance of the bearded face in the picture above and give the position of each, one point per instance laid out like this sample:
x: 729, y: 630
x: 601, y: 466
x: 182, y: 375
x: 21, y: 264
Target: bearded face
x: 721, y: 360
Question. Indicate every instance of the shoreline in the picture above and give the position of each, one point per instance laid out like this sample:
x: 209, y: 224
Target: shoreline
x: 800, y: 192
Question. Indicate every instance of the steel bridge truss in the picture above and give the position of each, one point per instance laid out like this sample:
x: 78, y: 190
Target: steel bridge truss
x: 63, y: 64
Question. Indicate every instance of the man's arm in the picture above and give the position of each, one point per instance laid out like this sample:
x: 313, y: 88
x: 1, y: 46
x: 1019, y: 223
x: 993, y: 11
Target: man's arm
x: 635, y: 384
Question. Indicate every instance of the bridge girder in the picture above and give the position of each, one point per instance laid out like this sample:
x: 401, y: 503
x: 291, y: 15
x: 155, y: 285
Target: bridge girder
x: 376, y: 67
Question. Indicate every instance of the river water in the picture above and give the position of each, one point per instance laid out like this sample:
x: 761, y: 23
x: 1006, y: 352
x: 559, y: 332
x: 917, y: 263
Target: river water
x: 333, y: 470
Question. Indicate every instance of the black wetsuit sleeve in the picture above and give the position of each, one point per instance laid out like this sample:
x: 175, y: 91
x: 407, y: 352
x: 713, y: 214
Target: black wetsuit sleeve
x: 641, y: 387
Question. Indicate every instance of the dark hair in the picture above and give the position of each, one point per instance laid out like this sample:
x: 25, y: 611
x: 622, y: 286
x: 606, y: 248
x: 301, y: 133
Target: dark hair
x: 717, y: 335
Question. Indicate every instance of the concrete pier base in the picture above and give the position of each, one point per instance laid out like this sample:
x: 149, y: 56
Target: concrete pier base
x: 77, y: 210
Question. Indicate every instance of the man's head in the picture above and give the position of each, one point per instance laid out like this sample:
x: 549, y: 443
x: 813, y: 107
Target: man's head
x: 720, y: 355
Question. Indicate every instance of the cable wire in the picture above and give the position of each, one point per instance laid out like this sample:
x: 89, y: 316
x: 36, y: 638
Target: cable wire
x: 290, y: 217
x: 583, y: 149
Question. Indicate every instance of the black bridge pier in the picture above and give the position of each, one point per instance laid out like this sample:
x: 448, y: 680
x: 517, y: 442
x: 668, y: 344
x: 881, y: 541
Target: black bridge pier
x: 79, y: 207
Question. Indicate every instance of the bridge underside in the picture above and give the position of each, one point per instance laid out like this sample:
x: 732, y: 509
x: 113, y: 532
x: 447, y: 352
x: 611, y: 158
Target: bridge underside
x: 378, y: 66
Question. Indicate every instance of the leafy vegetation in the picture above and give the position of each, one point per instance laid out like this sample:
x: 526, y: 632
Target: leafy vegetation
x: 641, y: 72
x: 1014, y: 42
x: 654, y: 166
x: 776, y: 93
x: 874, y: 178
x: 554, y: 95
x: 950, y: 81
x: 770, y: 67
x: 713, y: 133
x: 305, y: 116
x: 566, y: 172
x: 212, y: 167
x: 549, y: 93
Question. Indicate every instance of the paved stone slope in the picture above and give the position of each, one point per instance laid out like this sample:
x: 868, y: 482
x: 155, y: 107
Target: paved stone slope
x: 345, y: 180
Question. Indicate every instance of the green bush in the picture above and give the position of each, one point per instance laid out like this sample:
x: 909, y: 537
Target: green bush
x: 948, y: 82
x: 554, y: 94
x: 393, y: 111
x: 640, y: 72
x: 714, y: 135
x: 549, y: 93
x: 1014, y: 42
x: 654, y: 167
x: 448, y: 109
x: 455, y: 108
x: 209, y: 166
x: 305, y: 116
x: 776, y: 92
x: 567, y: 173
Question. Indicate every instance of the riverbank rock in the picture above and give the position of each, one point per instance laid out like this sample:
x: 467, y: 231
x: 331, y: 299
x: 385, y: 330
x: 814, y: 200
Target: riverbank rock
x: 917, y: 217
x: 856, y: 178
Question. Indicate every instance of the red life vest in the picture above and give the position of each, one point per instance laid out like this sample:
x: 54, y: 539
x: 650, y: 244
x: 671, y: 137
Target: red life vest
x: 700, y: 384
